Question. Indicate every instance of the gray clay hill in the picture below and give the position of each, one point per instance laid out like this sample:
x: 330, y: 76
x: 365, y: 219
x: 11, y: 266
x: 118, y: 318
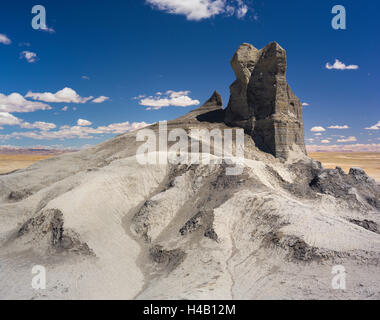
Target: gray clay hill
x: 106, y: 227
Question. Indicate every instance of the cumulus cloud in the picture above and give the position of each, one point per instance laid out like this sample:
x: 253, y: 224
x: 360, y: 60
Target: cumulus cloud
x: 119, y: 128
x: 65, y: 108
x: 344, y: 148
x: 242, y: 9
x: 85, y: 77
x: 100, y: 99
x: 349, y: 139
x: 66, y: 95
x: 142, y: 96
x: 338, y: 65
x: 29, y: 56
x: 201, y: 9
x: 339, y: 127
x: 325, y: 141
x: 8, y: 119
x: 76, y: 132
x: 317, y: 129
x: 305, y: 104
x: 47, y: 29
x: 170, y: 98
x: 84, y: 123
x: 15, y: 102
x: 4, y: 39
x: 374, y: 127
x: 43, y: 126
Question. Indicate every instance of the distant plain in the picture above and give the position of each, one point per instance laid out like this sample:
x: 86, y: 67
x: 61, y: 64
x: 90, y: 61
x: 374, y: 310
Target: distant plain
x: 12, y: 162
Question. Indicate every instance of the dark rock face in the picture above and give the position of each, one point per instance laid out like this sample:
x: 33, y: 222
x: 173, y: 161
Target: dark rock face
x: 169, y: 259
x: 265, y: 106
x: 215, y: 100
x: 48, y: 227
x: 367, y: 224
x: 354, y: 187
x: 243, y: 62
x: 19, y: 195
x: 203, y: 221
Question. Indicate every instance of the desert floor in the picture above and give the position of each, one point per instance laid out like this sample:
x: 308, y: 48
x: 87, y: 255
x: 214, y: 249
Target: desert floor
x: 370, y: 162
x: 11, y: 162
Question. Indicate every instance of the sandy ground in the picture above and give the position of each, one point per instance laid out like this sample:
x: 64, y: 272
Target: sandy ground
x: 11, y: 162
x: 370, y: 162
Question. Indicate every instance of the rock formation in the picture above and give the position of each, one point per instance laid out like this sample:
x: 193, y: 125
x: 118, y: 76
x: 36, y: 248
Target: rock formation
x: 107, y: 227
x: 263, y: 103
x: 243, y: 63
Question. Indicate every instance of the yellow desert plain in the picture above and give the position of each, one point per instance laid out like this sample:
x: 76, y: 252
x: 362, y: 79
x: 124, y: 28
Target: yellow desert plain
x: 11, y: 162
x: 370, y: 162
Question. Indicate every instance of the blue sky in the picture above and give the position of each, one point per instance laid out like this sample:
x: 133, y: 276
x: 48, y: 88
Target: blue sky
x: 108, y: 53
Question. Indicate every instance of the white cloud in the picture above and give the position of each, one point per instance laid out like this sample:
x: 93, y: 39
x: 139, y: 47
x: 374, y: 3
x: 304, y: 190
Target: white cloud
x: 170, y: 98
x: 118, y: 128
x: 242, y: 10
x: 65, y: 108
x: 66, y: 95
x: 305, y: 104
x: 317, y: 129
x: 345, y: 148
x: 75, y: 132
x: 4, y: 39
x: 318, y: 134
x: 339, y: 127
x: 43, y: 126
x: 29, y: 56
x: 100, y: 99
x: 201, y: 9
x: 84, y: 123
x: 15, y: 102
x: 143, y: 96
x: 325, y: 141
x: 47, y: 29
x: 338, y: 65
x: 349, y: 139
x: 8, y: 119
x: 374, y: 127
x: 85, y: 77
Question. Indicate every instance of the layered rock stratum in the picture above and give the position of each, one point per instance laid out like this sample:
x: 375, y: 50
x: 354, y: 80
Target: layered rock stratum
x: 106, y: 227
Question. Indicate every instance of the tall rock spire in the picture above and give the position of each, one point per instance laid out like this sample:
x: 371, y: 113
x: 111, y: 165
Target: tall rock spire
x: 268, y: 109
x: 243, y: 62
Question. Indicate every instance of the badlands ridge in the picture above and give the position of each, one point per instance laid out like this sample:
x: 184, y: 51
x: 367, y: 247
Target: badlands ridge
x: 106, y: 227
